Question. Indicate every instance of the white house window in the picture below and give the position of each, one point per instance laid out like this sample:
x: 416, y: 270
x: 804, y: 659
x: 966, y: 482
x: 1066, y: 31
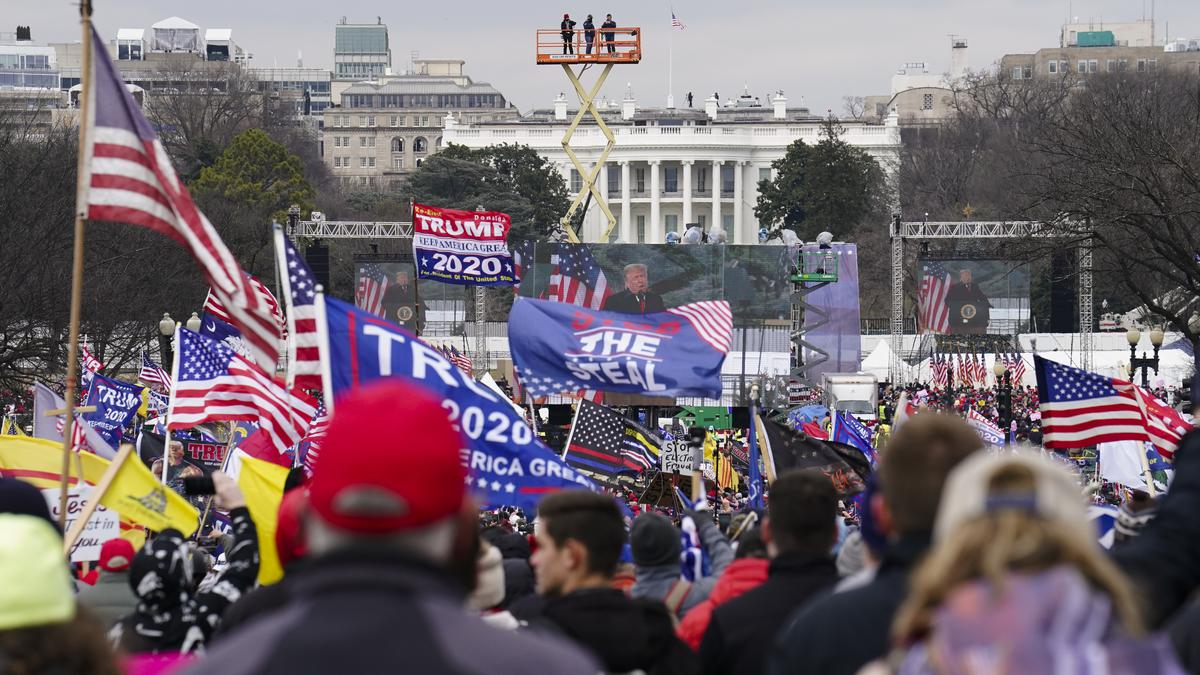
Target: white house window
x: 672, y: 222
x: 419, y: 144
x: 397, y: 162
x: 576, y: 181
x: 641, y: 229
x: 1053, y: 67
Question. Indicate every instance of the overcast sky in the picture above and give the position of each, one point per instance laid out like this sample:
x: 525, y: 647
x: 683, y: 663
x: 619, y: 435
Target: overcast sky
x: 815, y: 51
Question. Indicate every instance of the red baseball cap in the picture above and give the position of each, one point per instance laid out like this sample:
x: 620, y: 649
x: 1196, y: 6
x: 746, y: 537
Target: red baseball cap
x: 116, y: 555
x: 390, y: 461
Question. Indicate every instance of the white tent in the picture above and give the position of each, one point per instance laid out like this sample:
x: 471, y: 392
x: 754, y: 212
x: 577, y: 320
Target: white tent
x: 879, y: 363
x: 174, y: 34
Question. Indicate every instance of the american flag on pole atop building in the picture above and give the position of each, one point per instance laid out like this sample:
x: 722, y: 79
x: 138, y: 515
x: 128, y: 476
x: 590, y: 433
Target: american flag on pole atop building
x: 126, y: 177
x: 933, y: 313
x: 372, y: 283
x: 212, y: 382
x: 675, y: 22
x: 299, y: 292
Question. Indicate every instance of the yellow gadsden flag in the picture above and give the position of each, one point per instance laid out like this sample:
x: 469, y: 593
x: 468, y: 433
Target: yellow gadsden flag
x: 262, y: 485
x: 10, y: 428
x: 134, y: 492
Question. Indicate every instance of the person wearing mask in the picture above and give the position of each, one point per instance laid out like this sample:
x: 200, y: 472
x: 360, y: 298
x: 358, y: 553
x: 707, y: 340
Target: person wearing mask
x: 637, y: 298
x: 609, y: 37
x: 656, y: 547
x: 1017, y: 578
x: 42, y: 628
x: 111, y: 598
x: 579, y: 538
x: 589, y: 34
x: 799, y: 531
x: 568, y: 34
x: 392, y: 544
x: 171, y: 617
x: 748, y: 571
x: 912, y: 471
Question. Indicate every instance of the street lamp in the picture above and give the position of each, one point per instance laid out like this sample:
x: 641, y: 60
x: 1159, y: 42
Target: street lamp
x: 166, y: 328
x: 1134, y: 336
x: 193, y: 324
x: 1003, y: 396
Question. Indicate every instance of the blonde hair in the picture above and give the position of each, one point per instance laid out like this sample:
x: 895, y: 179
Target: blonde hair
x: 997, y: 543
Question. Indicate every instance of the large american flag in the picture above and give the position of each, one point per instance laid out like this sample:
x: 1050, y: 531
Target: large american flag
x: 1080, y: 409
x: 213, y: 383
x: 128, y: 178
x: 304, y: 364
x: 933, y: 313
x: 577, y: 278
x: 372, y: 282
x: 1017, y: 366
x: 153, y: 374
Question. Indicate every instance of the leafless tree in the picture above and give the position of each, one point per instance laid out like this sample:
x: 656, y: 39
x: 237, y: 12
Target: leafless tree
x: 854, y: 106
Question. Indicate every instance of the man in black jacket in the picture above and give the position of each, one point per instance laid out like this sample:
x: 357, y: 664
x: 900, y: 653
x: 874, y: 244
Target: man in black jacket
x: 609, y: 38
x: 637, y: 297
x: 568, y: 34
x: 799, y: 532
x: 579, y: 536
x: 838, y: 634
x: 392, y: 539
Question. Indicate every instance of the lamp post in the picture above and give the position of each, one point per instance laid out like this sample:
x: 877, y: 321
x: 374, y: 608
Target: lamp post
x: 166, y: 328
x: 193, y: 323
x: 1144, y: 363
x: 1003, y: 396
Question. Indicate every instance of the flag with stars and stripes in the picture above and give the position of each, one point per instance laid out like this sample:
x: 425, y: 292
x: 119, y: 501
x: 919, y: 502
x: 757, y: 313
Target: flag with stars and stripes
x: 604, y: 441
x: 212, y: 382
x: 675, y: 22
x: 577, y: 278
x: 461, y: 360
x: 310, y: 447
x: 1017, y: 366
x: 372, y: 283
x: 154, y: 375
x: 91, y: 366
x: 1080, y: 409
x: 933, y: 313
x: 299, y: 292
x: 127, y: 177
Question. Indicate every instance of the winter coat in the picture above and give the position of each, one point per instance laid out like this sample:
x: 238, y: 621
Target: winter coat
x: 111, y: 599
x: 742, y: 629
x: 624, y: 633
x: 1047, y: 622
x: 656, y: 582
x: 815, y: 639
x: 371, y: 611
x: 742, y: 575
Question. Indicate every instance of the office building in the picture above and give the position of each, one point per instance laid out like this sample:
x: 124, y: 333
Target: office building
x: 360, y: 50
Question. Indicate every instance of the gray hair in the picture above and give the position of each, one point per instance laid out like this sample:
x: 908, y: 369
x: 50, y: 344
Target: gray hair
x: 633, y: 266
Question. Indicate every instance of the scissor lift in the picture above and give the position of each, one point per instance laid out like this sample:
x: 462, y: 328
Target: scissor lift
x: 607, y: 47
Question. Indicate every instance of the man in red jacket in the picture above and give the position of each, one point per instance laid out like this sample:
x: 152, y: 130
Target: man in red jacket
x: 745, y: 573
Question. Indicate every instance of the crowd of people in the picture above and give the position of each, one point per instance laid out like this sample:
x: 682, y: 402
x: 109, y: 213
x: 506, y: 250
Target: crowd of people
x: 954, y: 559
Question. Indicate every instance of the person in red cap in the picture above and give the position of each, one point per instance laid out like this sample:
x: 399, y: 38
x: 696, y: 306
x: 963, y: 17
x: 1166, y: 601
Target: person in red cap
x: 391, y: 543
x: 111, y: 598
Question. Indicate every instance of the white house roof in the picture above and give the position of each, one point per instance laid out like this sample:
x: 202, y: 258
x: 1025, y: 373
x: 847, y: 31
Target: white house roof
x: 176, y: 23
x: 131, y: 33
x: 218, y: 34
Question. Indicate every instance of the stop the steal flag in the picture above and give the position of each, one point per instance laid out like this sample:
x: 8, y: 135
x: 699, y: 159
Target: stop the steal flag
x: 558, y: 347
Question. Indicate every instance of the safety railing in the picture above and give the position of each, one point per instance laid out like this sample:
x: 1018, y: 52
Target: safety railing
x: 599, y: 45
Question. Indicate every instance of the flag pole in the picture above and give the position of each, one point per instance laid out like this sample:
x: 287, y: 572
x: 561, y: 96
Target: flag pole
x: 83, y: 179
x: 323, y: 349
x: 571, y: 433
x: 171, y: 404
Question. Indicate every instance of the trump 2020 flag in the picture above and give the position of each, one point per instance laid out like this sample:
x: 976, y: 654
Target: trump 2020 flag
x: 115, y: 403
x: 507, y: 464
x: 559, y: 347
x: 849, y: 431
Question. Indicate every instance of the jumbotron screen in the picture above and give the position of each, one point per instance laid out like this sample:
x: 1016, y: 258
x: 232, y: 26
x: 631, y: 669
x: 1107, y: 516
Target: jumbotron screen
x: 972, y: 297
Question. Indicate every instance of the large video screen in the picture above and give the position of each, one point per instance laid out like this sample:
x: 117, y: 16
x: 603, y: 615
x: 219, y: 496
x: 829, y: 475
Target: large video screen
x: 642, y: 278
x: 972, y: 297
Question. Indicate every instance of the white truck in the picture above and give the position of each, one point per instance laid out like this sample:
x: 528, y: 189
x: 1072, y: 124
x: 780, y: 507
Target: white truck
x: 855, y: 393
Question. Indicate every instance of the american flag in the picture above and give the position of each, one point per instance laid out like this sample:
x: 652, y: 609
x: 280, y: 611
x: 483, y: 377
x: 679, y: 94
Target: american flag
x: 1080, y: 409
x: 461, y: 360
x: 310, y: 448
x: 676, y: 23
x: 933, y: 313
x: 153, y: 374
x: 215, y: 383
x: 127, y: 178
x: 577, y: 278
x: 299, y: 284
x: 963, y: 370
x: 1017, y: 366
x: 372, y: 282
x: 712, y: 319
x: 522, y: 255
x: 940, y: 367
x: 981, y: 370
x: 1163, y: 423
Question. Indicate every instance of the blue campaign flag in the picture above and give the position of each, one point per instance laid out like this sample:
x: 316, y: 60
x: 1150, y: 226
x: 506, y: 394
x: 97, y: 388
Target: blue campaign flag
x: 1155, y: 461
x: 756, y: 481
x: 116, y: 402
x: 507, y: 463
x: 847, y: 429
x: 559, y: 347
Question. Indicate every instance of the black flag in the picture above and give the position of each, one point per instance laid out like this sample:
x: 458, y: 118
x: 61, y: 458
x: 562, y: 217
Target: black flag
x: 845, y: 465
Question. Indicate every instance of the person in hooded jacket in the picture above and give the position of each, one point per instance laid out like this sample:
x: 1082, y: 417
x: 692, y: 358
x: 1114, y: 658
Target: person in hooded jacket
x: 111, y: 599
x: 656, y: 548
x: 748, y: 571
x: 170, y: 616
x: 579, y: 538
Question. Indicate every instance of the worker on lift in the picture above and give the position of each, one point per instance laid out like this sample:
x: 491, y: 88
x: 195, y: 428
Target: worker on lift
x: 568, y: 34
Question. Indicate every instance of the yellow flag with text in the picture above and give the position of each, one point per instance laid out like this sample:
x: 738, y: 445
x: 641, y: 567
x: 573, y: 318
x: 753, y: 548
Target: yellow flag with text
x: 10, y: 428
x: 134, y: 492
x: 262, y: 485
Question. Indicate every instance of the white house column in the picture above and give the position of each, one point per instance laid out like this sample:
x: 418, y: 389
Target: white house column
x: 601, y: 221
x: 716, y: 198
x: 626, y: 205
x: 739, y: 234
x: 687, y: 195
x: 654, y: 233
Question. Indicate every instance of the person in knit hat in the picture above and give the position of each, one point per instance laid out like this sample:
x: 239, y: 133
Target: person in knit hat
x: 111, y: 598
x: 42, y: 630
x: 19, y: 497
x: 392, y: 547
x: 656, y: 547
